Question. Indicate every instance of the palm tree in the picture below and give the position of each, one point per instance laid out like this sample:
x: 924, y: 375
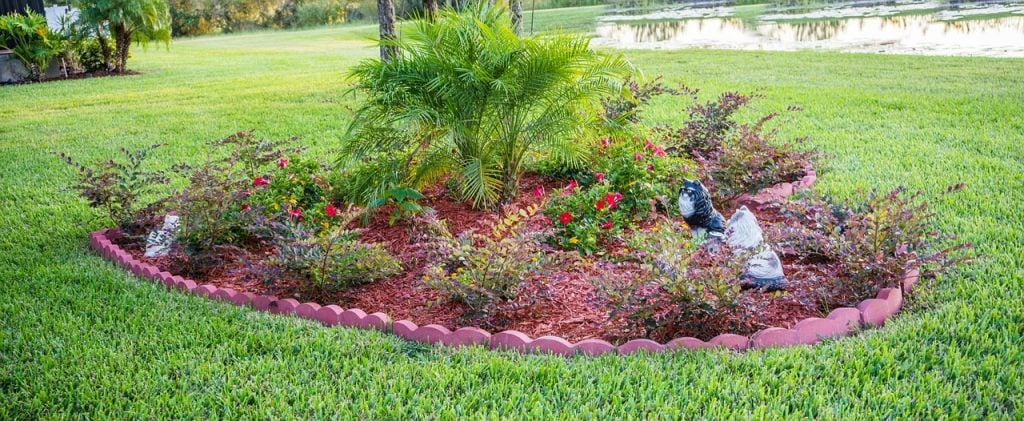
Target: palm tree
x: 129, y: 21
x: 471, y: 99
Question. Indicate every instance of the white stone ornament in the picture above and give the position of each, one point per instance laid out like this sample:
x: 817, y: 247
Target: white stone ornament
x: 158, y: 243
x: 764, y: 269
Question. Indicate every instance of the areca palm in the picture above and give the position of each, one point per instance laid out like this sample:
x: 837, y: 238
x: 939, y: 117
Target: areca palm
x: 467, y: 97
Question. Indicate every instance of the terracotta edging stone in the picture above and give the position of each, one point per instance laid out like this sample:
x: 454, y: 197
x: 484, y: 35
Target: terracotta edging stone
x: 840, y: 322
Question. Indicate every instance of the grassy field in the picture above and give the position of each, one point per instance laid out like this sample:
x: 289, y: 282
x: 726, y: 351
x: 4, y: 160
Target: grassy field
x: 81, y: 338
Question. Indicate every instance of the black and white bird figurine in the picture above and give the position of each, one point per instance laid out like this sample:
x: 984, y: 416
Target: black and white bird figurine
x: 698, y: 211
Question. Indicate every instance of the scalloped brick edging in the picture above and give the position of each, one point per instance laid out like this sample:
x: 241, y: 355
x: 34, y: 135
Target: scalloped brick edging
x: 872, y: 312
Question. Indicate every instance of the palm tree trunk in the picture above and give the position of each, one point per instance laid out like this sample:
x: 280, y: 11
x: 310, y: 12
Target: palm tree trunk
x: 386, y: 19
x: 430, y: 9
x: 104, y: 47
x: 517, y: 15
x: 122, y: 42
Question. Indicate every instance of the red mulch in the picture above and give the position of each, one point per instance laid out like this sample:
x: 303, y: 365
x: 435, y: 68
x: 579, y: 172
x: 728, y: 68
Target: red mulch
x: 561, y: 303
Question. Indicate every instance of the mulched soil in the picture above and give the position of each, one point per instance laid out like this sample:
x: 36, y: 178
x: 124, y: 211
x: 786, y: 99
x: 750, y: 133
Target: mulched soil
x: 83, y: 75
x: 563, y: 302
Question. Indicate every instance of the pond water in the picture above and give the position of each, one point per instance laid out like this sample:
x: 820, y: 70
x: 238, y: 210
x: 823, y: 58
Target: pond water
x: 982, y: 29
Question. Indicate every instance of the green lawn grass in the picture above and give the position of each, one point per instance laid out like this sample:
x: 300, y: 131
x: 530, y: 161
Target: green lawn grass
x: 81, y: 338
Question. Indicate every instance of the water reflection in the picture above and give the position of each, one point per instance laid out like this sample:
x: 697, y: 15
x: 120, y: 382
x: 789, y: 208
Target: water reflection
x: 914, y: 33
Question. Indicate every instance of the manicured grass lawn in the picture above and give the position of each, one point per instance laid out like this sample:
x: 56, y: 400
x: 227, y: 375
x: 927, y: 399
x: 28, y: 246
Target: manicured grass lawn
x: 79, y: 337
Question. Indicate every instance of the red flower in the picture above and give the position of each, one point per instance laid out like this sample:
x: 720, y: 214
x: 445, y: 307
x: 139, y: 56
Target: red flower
x: 638, y: 157
x: 539, y: 191
x: 260, y: 181
x: 605, y: 141
x: 295, y: 213
x: 601, y: 204
x: 600, y: 177
x: 607, y: 225
x: 331, y: 211
x: 648, y: 145
x: 245, y: 207
x: 572, y: 185
x: 565, y: 218
x: 281, y: 163
x: 613, y: 199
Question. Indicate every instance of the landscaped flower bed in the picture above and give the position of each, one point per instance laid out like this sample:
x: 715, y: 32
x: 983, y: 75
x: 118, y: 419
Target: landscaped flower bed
x: 528, y: 197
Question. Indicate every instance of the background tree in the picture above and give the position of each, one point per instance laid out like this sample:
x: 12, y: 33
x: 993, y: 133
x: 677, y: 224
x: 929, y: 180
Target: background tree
x: 516, y: 8
x: 128, y: 21
x: 430, y: 9
x: 386, y: 20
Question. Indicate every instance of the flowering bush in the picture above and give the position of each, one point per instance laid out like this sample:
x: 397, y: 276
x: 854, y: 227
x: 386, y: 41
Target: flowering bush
x: 872, y: 243
x: 482, y: 270
x: 299, y: 188
x: 634, y: 180
x: 681, y: 287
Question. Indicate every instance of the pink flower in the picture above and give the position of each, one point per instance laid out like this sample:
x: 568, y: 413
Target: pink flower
x: 572, y: 185
x: 539, y: 191
x: 295, y: 213
x: 607, y: 225
x: 331, y: 211
x: 565, y: 218
x: 650, y: 167
x: 605, y: 141
x: 658, y: 151
x: 648, y: 145
x: 260, y: 181
x: 638, y: 157
x: 599, y: 177
x: 281, y: 163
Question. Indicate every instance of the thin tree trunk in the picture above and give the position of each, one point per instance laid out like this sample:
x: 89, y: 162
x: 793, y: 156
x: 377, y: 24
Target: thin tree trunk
x: 517, y: 15
x: 122, y: 42
x: 104, y: 47
x: 430, y: 9
x: 386, y: 19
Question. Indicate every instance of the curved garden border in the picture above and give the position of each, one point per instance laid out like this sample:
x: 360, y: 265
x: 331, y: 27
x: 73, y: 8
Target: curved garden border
x: 840, y: 322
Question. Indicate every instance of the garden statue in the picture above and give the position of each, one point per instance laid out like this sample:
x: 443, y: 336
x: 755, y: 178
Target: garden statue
x: 764, y: 269
x: 158, y: 243
x: 699, y: 213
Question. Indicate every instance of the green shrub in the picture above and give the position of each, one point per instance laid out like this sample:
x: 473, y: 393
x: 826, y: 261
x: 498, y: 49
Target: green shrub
x: 90, y: 54
x: 332, y: 259
x: 486, y: 269
x: 470, y: 99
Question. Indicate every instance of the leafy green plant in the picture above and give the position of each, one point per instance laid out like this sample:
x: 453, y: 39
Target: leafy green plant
x: 405, y: 201
x: 470, y: 99
x: 28, y: 36
x: 332, y: 259
x: 482, y: 270
x: 298, y: 186
x: 119, y: 186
